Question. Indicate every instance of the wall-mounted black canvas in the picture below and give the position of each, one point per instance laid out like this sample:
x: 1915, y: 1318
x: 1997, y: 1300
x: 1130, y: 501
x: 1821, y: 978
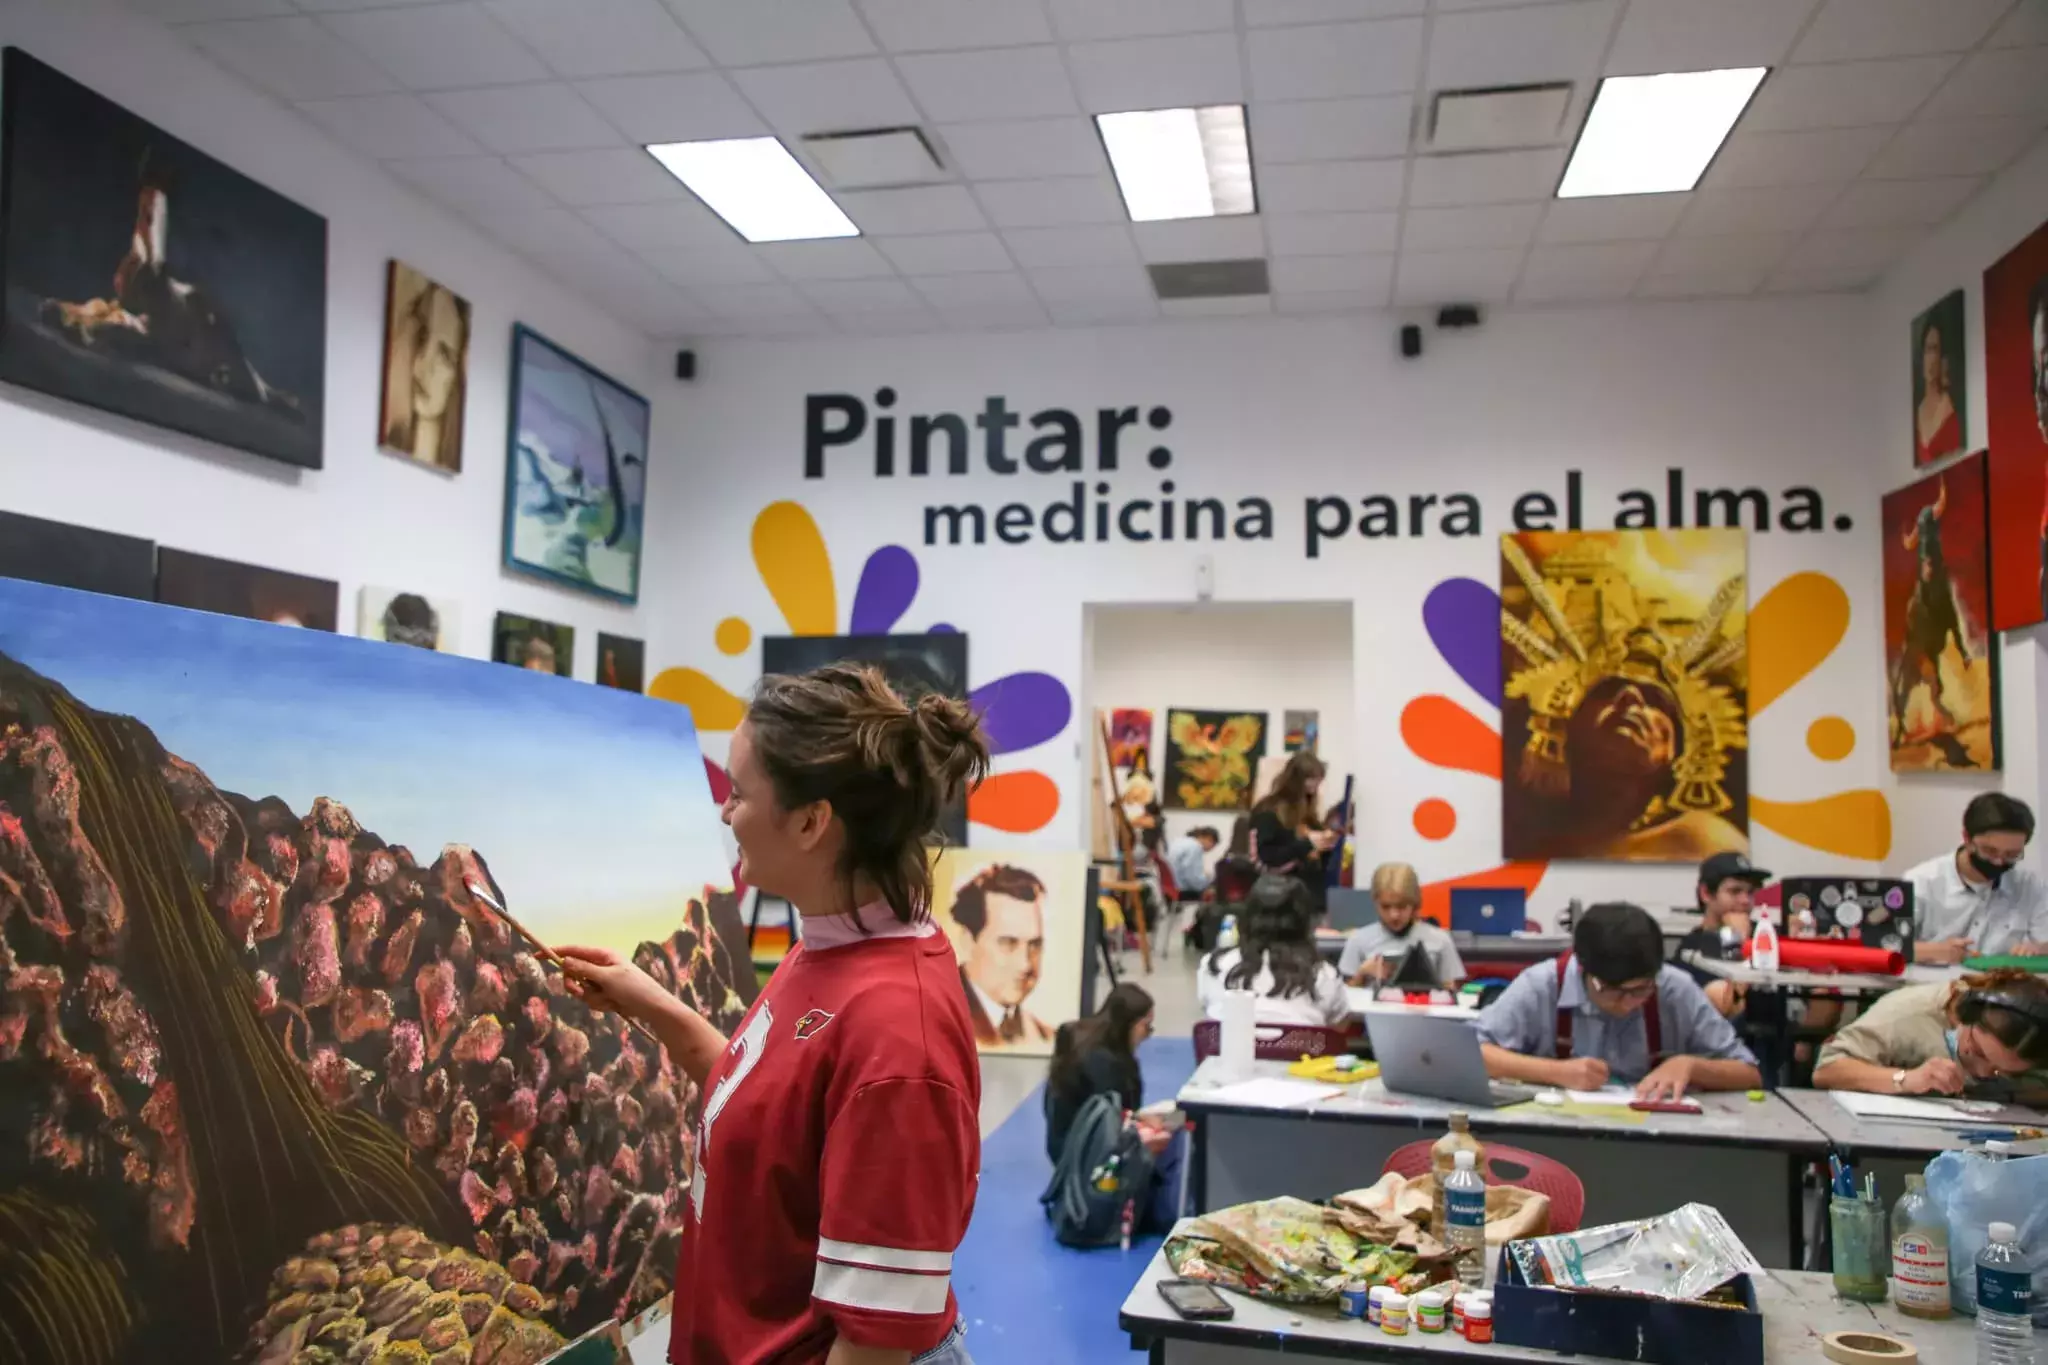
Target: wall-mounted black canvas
x: 68, y: 556
x: 148, y: 279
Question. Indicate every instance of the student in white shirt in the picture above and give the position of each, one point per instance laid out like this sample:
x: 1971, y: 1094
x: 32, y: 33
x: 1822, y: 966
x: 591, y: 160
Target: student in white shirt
x: 1187, y: 857
x: 1978, y: 901
x: 1276, y: 960
x: 1374, y: 952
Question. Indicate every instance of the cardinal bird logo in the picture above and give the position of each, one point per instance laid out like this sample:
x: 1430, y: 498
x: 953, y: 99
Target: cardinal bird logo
x: 811, y: 1023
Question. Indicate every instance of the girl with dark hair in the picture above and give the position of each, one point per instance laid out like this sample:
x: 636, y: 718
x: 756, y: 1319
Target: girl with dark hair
x: 839, y: 1146
x: 1981, y: 1035
x: 1276, y: 960
x: 1095, y: 1056
x: 1287, y: 836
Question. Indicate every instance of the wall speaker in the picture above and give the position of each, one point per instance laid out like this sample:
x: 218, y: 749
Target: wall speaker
x: 686, y: 364
x: 1411, y: 341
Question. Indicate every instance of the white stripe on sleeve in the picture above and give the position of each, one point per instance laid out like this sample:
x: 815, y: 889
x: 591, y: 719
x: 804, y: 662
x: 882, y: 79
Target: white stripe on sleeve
x: 886, y: 1291
x: 884, y: 1258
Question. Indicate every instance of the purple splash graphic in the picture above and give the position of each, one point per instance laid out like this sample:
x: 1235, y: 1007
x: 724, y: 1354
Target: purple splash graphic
x: 943, y: 628
x: 1462, y: 616
x: 888, y: 582
x: 1022, y: 710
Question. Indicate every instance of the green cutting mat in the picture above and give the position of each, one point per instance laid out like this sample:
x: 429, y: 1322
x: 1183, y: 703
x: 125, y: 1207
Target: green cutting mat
x: 1992, y: 964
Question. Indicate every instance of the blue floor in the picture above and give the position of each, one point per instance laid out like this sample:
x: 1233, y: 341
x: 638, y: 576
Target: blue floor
x: 1026, y: 1298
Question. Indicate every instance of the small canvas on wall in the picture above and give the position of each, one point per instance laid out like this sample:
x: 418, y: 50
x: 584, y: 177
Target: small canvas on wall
x: 148, y: 279
x: 1940, y: 393
x: 409, y: 618
x: 621, y: 662
x: 1130, y: 740
x: 1625, y: 682
x: 1300, y: 731
x: 68, y: 556
x: 1211, y: 759
x: 2016, y: 388
x: 1941, y: 659
x: 426, y: 369
x: 576, y: 475
x: 530, y: 643
x: 1016, y: 921
x: 203, y: 583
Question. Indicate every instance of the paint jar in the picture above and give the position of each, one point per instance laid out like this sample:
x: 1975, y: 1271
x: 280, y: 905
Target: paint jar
x: 1429, y: 1311
x: 1376, y: 1302
x: 1354, y: 1297
x: 1394, y: 1315
x: 1478, y: 1317
x: 1456, y: 1312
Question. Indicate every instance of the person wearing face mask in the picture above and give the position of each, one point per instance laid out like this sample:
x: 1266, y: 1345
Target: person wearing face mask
x: 1978, y: 900
x: 1374, y: 952
x: 1983, y: 1035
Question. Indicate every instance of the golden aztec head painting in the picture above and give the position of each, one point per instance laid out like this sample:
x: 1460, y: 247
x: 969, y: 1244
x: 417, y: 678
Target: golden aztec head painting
x: 1625, y: 676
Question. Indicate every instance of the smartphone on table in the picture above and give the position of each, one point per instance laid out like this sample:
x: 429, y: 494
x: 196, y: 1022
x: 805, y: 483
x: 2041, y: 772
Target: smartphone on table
x: 1195, y: 1301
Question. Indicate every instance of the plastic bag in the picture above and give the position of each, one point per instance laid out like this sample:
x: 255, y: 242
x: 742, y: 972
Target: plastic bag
x: 1684, y: 1254
x: 1972, y: 1191
x: 1286, y: 1250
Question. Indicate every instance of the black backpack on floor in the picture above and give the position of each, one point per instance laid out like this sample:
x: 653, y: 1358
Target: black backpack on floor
x: 1103, y: 1167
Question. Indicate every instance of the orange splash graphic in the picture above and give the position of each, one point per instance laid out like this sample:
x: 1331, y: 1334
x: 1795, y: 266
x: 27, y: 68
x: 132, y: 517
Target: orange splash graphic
x: 1015, y: 803
x: 1437, y: 730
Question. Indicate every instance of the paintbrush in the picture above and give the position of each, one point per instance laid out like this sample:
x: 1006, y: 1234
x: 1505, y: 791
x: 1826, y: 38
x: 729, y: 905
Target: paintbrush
x: 476, y: 889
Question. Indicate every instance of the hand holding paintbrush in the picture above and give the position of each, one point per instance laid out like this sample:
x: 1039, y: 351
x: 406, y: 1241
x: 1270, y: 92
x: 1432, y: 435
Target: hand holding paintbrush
x: 583, y: 969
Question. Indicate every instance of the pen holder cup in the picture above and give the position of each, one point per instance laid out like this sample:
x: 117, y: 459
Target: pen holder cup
x: 1862, y: 1248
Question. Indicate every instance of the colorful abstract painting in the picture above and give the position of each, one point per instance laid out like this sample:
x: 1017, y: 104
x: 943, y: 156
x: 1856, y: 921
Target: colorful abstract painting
x: 409, y: 618
x: 1211, y: 759
x: 533, y: 644
x: 1940, y: 396
x: 2016, y: 391
x: 203, y: 583
x: 1130, y: 740
x: 1017, y: 923
x: 68, y: 556
x: 1941, y: 658
x: 1300, y: 731
x: 576, y: 474
x: 621, y: 662
x: 278, y: 1084
x: 1625, y: 684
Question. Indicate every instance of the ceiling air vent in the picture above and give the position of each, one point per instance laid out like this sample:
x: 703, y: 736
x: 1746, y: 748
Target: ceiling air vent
x: 1210, y: 279
x: 1493, y: 120
x: 874, y: 158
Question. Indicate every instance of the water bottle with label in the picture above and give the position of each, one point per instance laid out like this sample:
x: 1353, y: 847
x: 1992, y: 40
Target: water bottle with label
x: 2005, y: 1292
x: 1465, y: 1220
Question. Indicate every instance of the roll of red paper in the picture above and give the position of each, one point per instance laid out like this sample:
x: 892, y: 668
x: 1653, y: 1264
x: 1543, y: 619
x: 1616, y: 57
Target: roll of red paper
x: 1836, y: 955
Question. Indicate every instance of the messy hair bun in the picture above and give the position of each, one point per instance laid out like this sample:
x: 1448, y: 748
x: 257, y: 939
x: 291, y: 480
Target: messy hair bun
x: 889, y: 769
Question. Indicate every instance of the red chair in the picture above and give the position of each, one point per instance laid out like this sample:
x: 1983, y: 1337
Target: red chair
x: 1275, y: 1042
x: 1510, y: 1166
x: 1485, y: 969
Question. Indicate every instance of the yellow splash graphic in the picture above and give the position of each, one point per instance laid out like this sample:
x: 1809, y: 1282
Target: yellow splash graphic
x: 796, y: 568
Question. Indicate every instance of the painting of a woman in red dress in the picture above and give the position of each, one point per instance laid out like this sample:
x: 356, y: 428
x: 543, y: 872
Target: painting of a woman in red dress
x: 1937, y: 364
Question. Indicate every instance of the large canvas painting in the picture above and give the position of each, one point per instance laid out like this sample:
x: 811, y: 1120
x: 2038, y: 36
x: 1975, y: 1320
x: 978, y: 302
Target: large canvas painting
x: 621, y: 662
x: 1941, y: 660
x: 1624, y: 664
x: 1016, y: 921
x: 409, y: 618
x: 184, y: 579
x: 426, y: 369
x: 275, y: 1083
x: 2016, y: 388
x: 68, y: 556
x: 1940, y: 392
x: 914, y: 665
x: 576, y: 476
x: 533, y: 644
x: 1212, y: 758
x: 146, y: 278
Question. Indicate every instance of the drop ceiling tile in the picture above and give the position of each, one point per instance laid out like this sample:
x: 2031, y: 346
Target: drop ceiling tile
x: 1102, y: 310
x: 551, y: 234
x: 471, y: 184
x: 1451, y: 5
x: 1706, y: 283
x: 2026, y: 26
x: 1476, y: 226
x: 1332, y: 234
x: 1051, y: 203
x: 1025, y: 312
x: 2004, y: 84
x: 709, y: 263
x: 196, y: 11
x: 828, y: 97
x: 1731, y: 251
x: 1779, y: 208
x: 1957, y: 147
x: 526, y: 118
x: 755, y: 301
x: 1901, y: 203
x: 974, y: 291
x: 1266, y: 12
x: 326, y: 6
x: 934, y: 25
x: 947, y: 253
x: 867, y: 296
x: 1157, y: 73
x: 1011, y: 82
x: 612, y: 175
x: 1329, y: 130
x: 1825, y: 278
x: 600, y: 37
x: 1071, y: 284
x: 1081, y: 20
x: 1583, y: 272
x: 1845, y: 94
x: 1327, y: 60
x: 1236, y: 305
x: 1850, y: 30
x: 1336, y: 300
x: 661, y: 227
x: 1321, y: 274
x: 1485, y: 178
x: 1850, y: 248
x: 1456, y: 276
x: 1686, y: 35
x: 688, y: 108
x: 439, y: 47
x: 1024, y: 149
x: 1617, y: 218
x: 836, y: 258
x: 1201, y: 239
x: 865, y: 322
x: 1038, y: 248
x: 1519, y: 46
x: 785, y: 31
x: 1331, y: 187
x: 382, y: 126
x: 291, y: 58
x: 1805, y: 158
x: 924, y: 208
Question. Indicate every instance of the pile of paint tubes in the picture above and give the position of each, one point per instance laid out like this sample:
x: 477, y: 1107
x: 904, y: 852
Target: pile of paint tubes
x: 1465, y: 1313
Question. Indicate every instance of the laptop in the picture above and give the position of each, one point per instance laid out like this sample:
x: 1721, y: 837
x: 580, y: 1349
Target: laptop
x: 1439, y: 1058
x: 1488, y: 911
x: 1349, y: 908
x: 1874, y: 911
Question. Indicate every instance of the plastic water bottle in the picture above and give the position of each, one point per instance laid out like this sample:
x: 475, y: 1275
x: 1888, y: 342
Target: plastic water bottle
x: 1465, y: 1220
x: 2005, y: 1291
x: 1763, y: 944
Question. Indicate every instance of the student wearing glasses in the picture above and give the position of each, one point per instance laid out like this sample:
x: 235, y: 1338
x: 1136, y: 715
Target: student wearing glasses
x: 1984, y: 1035
x: 1979, y: 900
x: 1612, y: 1010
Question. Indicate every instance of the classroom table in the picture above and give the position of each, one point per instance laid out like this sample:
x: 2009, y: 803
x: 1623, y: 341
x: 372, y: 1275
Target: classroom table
x: 1744, y: 1157
x: 1362, y: 1003
x: 1888, y: 1148
x: 1798, y: 1309
x: 1861, y: 986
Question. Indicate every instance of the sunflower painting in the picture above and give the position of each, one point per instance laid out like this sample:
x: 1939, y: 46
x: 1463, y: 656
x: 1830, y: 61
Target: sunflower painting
x: 1211, y: 757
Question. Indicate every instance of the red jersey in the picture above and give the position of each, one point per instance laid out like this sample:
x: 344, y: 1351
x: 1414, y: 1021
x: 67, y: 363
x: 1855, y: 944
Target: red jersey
x: 837, y: 1155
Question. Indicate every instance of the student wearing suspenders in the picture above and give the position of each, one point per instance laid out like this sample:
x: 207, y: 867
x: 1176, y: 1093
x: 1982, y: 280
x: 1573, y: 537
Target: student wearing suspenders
x: 1612, y: 1010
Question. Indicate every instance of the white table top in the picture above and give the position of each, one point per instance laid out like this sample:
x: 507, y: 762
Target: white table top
x: 1798, y: 1310
x: 1890, y: 1137
x: 1848, y: 983
x: 1362, y: 1002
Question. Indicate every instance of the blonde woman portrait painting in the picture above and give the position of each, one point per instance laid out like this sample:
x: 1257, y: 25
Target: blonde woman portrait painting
x: 426, y: 369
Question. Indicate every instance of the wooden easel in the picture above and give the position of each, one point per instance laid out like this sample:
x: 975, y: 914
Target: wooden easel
x: 1125, y: 886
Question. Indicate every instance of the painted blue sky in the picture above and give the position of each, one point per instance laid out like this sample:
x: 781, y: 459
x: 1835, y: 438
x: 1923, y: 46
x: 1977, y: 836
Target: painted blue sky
x: 590, y: 804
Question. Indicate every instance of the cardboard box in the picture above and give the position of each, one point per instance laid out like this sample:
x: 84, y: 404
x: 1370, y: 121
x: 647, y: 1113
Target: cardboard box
x: 1626, y: 1326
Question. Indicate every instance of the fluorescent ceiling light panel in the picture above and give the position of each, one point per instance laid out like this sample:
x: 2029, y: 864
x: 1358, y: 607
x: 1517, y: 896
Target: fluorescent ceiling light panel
x: 1656, y: 134
x: 756, y: 186
x: 1181, y: 163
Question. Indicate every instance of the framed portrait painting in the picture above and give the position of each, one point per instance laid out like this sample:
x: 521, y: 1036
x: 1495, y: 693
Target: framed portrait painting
x: 203, y: 583
x: 426, y: 369
x: 2016, y: 391
x: 1941, y: 656
x: 1940, y: 393
x: 533, y: 644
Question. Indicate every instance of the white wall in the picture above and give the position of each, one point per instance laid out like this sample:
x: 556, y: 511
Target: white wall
x: 368, y: 516
x: 1267, y: 657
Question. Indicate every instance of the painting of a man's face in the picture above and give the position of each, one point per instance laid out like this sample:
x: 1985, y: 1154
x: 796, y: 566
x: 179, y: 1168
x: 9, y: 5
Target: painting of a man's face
x: 2040, y: 356
x: 1004, y: 958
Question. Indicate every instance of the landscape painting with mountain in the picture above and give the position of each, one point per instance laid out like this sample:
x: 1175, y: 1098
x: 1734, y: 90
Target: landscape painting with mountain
x: 277, y: 1083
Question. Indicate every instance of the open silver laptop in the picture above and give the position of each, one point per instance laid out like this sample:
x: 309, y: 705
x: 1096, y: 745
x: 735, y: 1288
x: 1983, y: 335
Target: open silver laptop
x: 1419, y: 1055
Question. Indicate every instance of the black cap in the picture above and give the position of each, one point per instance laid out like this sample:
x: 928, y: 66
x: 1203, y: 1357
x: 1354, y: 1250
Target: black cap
x: 1723, y: 866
